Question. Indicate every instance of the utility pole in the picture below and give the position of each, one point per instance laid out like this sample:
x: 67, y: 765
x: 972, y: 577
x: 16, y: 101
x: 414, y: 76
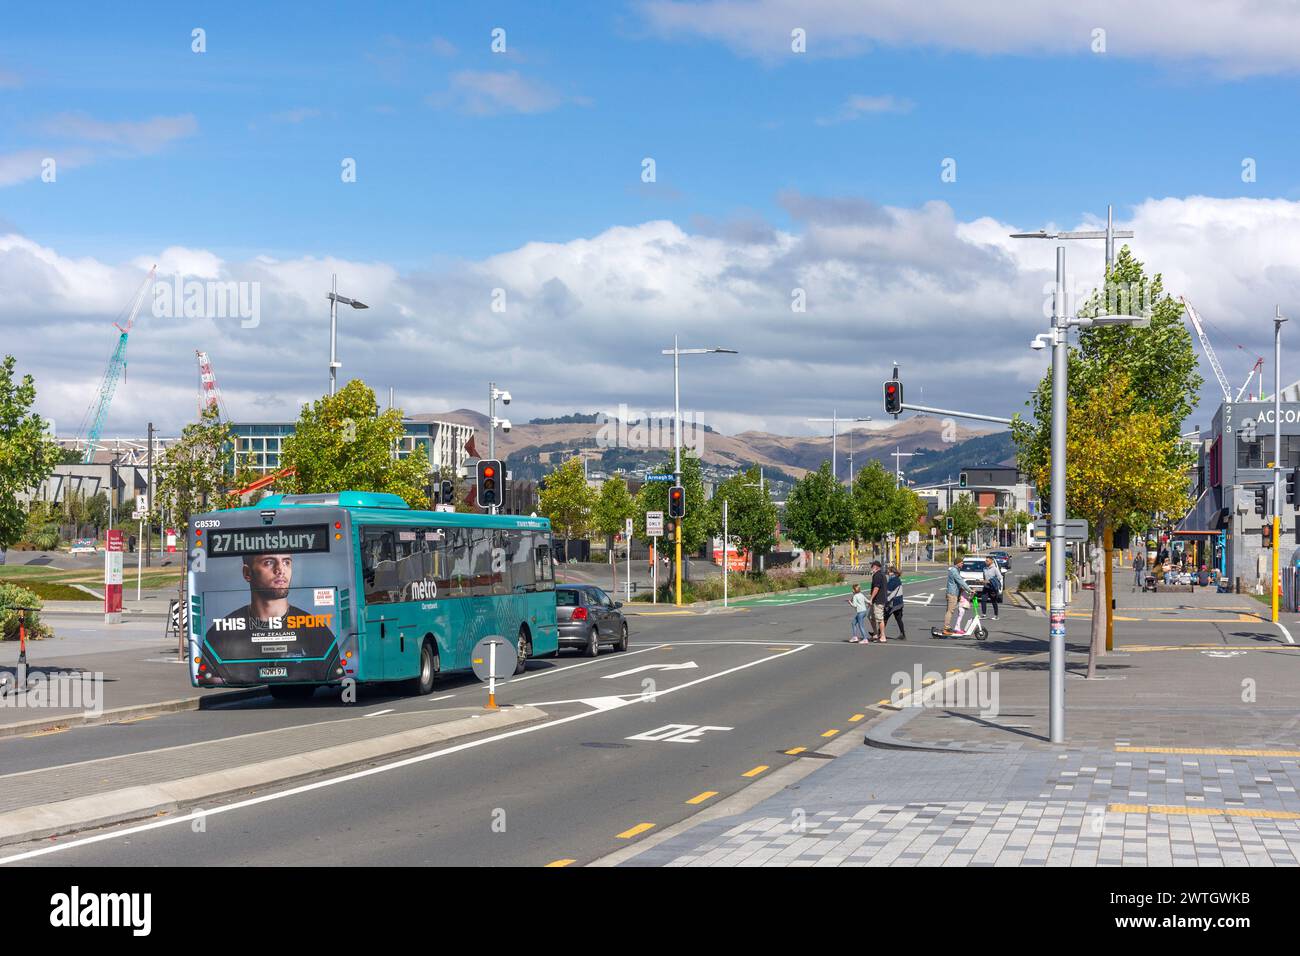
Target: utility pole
x: 897, y: 455
x: 1277, y: 452
x: 147, y: 537
x: 835, y: 437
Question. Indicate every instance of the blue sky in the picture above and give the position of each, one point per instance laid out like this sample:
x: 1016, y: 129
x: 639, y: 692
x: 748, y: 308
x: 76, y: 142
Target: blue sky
x: 522, y: 171
x: 1037, y: 138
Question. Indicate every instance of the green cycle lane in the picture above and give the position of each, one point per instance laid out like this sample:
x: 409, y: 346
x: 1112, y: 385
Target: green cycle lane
x: 814, y: 594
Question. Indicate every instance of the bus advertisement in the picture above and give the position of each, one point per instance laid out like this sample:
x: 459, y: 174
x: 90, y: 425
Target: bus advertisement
x: 300, y: 591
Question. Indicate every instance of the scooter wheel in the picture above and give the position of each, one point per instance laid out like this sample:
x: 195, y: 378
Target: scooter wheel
x: 982, y: 633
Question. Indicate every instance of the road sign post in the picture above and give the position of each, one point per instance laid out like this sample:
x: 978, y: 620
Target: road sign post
x: 654, y: 527
x: 489, y: 654
x: 113, y: 578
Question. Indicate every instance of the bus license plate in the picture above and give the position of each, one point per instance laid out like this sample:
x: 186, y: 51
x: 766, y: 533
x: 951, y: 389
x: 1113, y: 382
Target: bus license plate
x: 273, y: 672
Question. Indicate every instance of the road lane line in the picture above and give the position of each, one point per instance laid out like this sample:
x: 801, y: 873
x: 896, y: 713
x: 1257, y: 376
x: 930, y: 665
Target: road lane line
x: 796, y: 750
x: 443, y: 697
x: 378, y: 713
x: 832, y: 732
x: 748, y: 773
x: 595, y: 660
x: 561, y: 862
x: 637, y: 830
x: 856, y: 717
x: 371, y: 771
x: 701, y: 797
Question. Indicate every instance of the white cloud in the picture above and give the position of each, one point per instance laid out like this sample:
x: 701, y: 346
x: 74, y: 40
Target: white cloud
x: 858, y: 106
x: 490, y: 92
x: 955, y: 302
x: 1235, y: 37
x: 91, y: 141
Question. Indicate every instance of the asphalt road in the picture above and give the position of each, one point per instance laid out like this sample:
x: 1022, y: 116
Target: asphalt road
x: 738, y: 689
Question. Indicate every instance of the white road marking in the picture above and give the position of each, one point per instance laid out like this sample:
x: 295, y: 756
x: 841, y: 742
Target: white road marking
x: 599, y: 703
x: 377, y: 713
x: 368, y: 772
x: 594, y: 660
x: 1285, y: 633
x: 676, y: 733
x: 443, y: 697
x: 686, y: 666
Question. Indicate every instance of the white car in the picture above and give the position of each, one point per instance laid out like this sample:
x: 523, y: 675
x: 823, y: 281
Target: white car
x: 972, y: 572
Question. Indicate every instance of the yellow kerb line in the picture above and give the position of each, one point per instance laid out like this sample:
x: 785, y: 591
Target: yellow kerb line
x: 756, y: 771
x: 832, y: 732
x: 1208, y: 751
x: 1203, y: 811
x: 701, y: 797
x: 796, y: 750
x: 856, y: 717
x: 635, y: 831
x: 561, y: 862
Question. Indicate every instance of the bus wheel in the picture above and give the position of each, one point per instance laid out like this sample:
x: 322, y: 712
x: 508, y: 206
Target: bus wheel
x: 525, y: 651
x: 423, y: 684
x: 622, y: 641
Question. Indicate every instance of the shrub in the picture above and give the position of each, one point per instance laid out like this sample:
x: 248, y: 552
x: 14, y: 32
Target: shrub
x: 12, y: 596
x: 1031, y: 582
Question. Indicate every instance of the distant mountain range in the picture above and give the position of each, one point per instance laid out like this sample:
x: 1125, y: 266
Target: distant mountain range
x: 533, y: 449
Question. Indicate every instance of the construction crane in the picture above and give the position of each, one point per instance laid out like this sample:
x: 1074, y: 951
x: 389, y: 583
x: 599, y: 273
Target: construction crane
x: 1208, y: 350
x: 1258, y: 367
x: 97, y: 414
x: 209, y: 391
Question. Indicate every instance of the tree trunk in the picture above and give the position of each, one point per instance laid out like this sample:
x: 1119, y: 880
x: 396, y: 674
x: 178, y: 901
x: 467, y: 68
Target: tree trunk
x: 1097, y: 646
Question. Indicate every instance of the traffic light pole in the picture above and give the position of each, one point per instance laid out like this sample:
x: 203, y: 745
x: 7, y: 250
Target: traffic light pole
x: 1056, y: 543
x: 677, y: 469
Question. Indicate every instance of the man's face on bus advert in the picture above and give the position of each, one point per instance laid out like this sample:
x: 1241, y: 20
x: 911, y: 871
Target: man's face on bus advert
x: 269, y: 575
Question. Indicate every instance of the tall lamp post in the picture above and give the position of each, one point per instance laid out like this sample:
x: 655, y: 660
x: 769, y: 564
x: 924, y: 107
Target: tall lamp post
x: 677, y: 352
x: 835, y: 436
x: 335, y: 299
x: 1062, y: 322
x: 1277, y: 452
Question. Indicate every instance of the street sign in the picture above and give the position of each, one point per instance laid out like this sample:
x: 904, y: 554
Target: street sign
x: 914, y: 537
x: 142, y: 503
x: 654, y: 524
x: 113, y: 577
x: 1076, y: 529
x: 650, y: 477
x: 628, y: 529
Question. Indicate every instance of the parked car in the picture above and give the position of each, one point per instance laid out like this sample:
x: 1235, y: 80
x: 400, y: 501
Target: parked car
x: 588, y: 617
x: 972, y: 572
x: 1003, y: 558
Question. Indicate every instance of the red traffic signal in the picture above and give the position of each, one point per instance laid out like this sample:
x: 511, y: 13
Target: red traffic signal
x: 893, y: 397
x: 676, y: 502
x: 489, y: 492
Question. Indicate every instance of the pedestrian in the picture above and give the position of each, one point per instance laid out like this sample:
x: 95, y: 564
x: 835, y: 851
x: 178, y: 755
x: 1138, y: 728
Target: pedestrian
x: 858, y: 633
x: 879, y: 596
x: 894, y: 608
x: 1139, y: 566
x: 955, y: 588
x: 993, y: 585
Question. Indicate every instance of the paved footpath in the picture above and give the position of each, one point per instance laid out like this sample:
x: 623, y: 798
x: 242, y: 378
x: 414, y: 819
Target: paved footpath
x: 1185, y: 752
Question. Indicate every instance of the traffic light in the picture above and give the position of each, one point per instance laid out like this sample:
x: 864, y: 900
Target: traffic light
x: 677, y: 502
x: 961, y: 480
x: 893, y: 397
x: 1261, y: 498
x: 947, y: 524
x: 447, y: 493
x: 1268, y: 535
x: 489, y: 482
x: 1292, y: 484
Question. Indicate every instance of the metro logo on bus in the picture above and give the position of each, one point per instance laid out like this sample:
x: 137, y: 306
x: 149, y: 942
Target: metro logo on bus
x: 426, y: 590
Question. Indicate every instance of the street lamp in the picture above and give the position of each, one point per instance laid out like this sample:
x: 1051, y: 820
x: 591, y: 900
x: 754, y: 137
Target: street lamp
x: 1110, y: 234
x: 1062, y: 322
x: 335, y: 299
x: 835, y: 436
x: 1277, y: 452
x: 676, y: 352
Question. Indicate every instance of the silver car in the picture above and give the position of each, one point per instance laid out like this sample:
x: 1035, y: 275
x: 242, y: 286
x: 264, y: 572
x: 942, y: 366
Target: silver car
x: 588, y: 617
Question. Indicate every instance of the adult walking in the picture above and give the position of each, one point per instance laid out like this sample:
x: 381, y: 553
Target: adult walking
x: 1139, y: 566
x: 894, y: 608
x: 954, y: 589
x: 860, y: 611
x: 993, y: 583
x: 879, y: 597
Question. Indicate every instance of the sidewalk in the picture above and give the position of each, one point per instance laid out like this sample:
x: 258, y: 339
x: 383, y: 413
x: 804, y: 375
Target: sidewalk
x: 1185, y: 751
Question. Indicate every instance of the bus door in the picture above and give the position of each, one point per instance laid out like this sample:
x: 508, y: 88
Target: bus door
x: 379, y: 577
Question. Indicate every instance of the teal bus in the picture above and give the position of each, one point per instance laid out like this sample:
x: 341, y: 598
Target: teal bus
x: 300, y: 591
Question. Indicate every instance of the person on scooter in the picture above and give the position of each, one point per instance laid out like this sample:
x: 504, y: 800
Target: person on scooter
x: 955, y: 588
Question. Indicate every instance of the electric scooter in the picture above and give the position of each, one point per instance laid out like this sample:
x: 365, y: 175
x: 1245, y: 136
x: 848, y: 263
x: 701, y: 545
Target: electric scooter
x: 974, y: 627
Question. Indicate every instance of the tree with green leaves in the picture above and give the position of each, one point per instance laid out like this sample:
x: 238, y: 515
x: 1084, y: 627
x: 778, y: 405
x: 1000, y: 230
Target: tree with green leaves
x: 345, y: 442
x: 567, y: 501
x: 192, y: 473
x: 697, y: 526
x: 27, y: 456
x: 610, y: 511
x: 965, y: 515
x: 751, y: 514
x: 1158, y: 363
x: 819, y: 512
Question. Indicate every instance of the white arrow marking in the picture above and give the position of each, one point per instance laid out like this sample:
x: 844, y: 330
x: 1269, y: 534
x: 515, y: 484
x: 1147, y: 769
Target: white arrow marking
x: 689, y: 665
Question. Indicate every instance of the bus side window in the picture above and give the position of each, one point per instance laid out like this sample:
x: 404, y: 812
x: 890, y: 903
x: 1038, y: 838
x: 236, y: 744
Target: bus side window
x: 410, y: 562
x: 481, y: 576
x: 378, y: 566
x: 501, y: 577
x: 523, y: 566
x: 542, y: 552
x: 459, y: 561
